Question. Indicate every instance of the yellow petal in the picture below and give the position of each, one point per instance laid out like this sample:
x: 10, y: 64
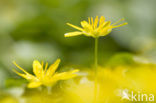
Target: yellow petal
x: 70, y: 34
x: 76, y: 27
x: 26, y: 76
x: 92, y: 21
x: 119, y: 25
x: 65, y: 75
x: 103, y: 26
x: 74, y: 71
x: 89, y: 20
x: 96, y: 22
x: 107, y: 23
x: 106, y: 31
x: 42, y: 63
x: 38, y: 69
x: 84, y: 24
x: 87, y: 27
x: 19, y: 67
x: 34, y: 84
x: 102, y: 19
x: 53, y: 68
x: 118, y: 21
x: 46, y: 66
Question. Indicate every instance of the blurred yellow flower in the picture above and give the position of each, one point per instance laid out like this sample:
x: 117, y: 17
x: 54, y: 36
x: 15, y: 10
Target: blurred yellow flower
x: 94, y: 28
x: 47, y: 77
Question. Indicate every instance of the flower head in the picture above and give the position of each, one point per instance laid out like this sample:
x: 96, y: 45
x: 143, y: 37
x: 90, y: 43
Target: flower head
x: 94, y: 28
x: 47, y: 77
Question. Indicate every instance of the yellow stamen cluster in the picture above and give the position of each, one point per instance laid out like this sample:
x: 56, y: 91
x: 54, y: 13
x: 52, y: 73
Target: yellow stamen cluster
x: 94, y: 28
x: 47, y: 77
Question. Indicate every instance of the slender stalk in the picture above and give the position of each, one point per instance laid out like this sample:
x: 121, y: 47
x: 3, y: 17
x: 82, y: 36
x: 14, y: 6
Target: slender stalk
x: 96, y: 69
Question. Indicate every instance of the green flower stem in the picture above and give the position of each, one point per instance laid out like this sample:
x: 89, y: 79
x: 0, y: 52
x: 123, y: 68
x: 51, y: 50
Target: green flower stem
x: 96, y: 69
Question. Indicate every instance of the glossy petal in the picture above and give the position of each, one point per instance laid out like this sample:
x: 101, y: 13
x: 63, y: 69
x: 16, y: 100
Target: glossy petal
x: 26, y: 76
x: 102, y: 20
x: 38, y: 69
x: 118, y: 21
x: 96, y: 22
x: 34, y: 84
x: 87, y: 27
x: 19, y: 67
x: 53, y: 68
x: 120, y: 25
x: 65, y: 75
x: 76, y: 27
x: 76, y: 33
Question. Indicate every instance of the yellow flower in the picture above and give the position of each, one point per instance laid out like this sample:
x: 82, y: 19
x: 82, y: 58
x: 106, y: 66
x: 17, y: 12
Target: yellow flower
x: 94, y: 28
x: 46, y: 77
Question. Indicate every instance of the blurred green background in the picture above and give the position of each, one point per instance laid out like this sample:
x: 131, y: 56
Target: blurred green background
x: 34, y: 29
